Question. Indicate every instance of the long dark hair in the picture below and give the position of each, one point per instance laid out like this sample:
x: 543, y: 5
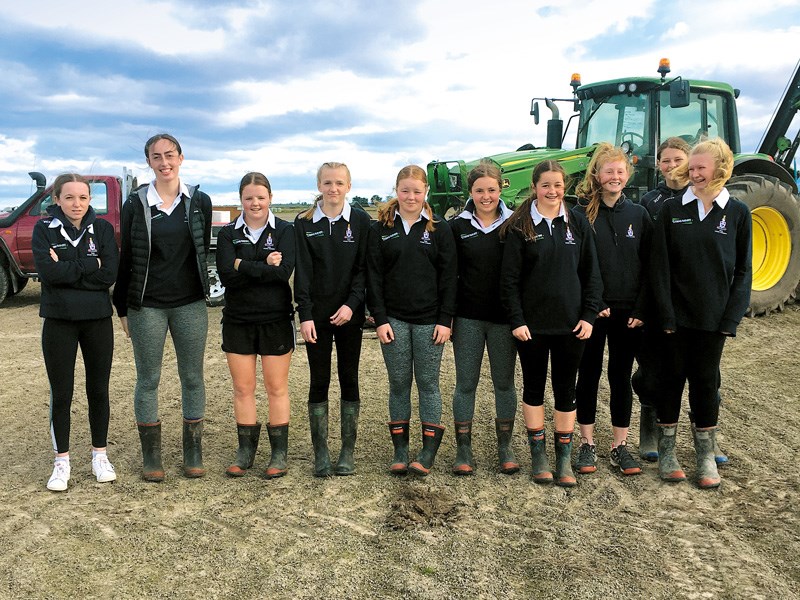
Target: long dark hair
x: 521, y: 219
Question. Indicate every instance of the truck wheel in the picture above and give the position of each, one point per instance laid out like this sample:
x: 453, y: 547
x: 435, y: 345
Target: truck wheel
x: 21, y: 283
x: 216, y: 291
x: 776, y: 240
x: 5, y: 284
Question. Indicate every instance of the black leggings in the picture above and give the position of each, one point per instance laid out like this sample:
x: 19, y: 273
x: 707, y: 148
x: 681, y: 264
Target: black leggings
x: 60, y: 341
x: 348, y: 352
x: 623, y: 342
x: 565, y: 355
x: 694, y: 356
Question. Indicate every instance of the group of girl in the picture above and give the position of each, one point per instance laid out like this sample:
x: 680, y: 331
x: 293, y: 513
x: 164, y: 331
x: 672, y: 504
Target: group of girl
x: 546, y: 282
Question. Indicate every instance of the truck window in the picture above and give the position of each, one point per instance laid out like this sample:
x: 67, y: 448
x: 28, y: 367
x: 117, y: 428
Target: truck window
x: 40, y: 208
x: 99, y: 197
x: 702, y: 118
x: 99, y: 200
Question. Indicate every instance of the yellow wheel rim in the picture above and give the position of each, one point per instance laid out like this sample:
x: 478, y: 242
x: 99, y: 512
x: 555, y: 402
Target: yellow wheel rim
x: 772, y: 247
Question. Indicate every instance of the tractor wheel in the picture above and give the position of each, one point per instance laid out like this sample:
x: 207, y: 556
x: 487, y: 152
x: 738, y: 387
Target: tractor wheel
x: 776, y: 240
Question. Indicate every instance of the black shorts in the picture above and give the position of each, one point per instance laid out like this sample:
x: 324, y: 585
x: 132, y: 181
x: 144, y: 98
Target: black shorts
x: 265, y: 339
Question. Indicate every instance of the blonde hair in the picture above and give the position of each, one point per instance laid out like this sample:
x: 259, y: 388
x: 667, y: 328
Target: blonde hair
x: 309, y: 214
x: 387, y: 211
x: 723, y: 164
x: 590, y: 188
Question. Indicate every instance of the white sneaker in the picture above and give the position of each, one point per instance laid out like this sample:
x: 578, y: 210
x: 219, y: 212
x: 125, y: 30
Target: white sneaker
x: 102, y: 468
x: 58, y: 480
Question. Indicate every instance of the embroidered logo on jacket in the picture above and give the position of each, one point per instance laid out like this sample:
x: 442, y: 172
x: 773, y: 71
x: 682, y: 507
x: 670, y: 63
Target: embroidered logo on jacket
x: 722, y: 228
x: 269, y: 245
x: 426, y: 238
x: 629, y: 233
x: 92, y: 250
x: 348, y: 235
x: 568, y: 238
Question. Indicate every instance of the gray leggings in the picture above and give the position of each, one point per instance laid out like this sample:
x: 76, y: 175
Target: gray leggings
x: 469, y: 338
x: 411, y: 355
x: 188, y: 326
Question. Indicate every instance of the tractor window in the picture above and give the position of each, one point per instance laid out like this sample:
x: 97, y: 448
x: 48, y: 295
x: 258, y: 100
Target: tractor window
x: 619, y: 119
x: 703, y: 118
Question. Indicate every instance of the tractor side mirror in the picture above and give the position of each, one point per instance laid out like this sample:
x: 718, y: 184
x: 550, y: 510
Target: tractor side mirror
x: 679, y: 93
x: 535, y: 111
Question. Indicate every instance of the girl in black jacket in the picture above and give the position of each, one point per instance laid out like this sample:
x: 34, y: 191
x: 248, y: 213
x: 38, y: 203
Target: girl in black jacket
x: 255, y: 259
x: 551, y: 290
x: 702, y: 275
x: 411, y: 292
x: 647, y: 379
x: 161, y: 287
x: 329, y: 289
x: 76, y: 259
x: 622, y: 232
x: 480, y: 323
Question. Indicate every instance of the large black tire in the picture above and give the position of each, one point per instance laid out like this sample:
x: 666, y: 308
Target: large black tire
x: 21, y: 283
x: 776, y: 240
x: 5, y: 283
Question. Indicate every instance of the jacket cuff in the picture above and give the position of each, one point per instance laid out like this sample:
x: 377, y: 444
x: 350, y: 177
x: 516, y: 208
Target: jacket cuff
x: 728, y: 327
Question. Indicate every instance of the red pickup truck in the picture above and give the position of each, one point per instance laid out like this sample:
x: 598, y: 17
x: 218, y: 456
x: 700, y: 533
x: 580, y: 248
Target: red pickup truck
x: 16, y: 230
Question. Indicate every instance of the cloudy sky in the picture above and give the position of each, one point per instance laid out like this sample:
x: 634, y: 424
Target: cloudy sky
x: 281, y: 87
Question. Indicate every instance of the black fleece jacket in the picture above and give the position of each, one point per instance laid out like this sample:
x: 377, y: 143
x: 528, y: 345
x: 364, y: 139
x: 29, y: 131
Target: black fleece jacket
x: 75, y: 287
x: 256, y: 292
x: 480, y: 256
x: 622, y: 235
x: 553, y: 281
x: 701, y: 270
x: 654, y: 199
x: 331, y: 268
x: 412, y: 277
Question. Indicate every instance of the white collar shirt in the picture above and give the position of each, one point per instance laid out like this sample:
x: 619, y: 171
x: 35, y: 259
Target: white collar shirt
x: 153, y: 199
x: 721, y: 200
x: 254, y: 234
x: 423, y: 214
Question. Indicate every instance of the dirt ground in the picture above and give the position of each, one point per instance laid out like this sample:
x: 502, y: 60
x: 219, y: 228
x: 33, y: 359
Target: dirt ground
x: 376, y: 536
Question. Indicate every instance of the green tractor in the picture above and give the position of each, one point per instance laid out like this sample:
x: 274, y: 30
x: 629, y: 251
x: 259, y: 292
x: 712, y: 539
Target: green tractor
x: 637, y: 114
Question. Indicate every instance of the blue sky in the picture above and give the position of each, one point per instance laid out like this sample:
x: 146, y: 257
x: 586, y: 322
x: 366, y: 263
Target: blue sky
x: 280, y: 87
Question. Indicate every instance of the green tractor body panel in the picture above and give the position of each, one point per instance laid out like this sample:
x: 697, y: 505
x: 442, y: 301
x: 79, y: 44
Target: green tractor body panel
x: 448, y: 179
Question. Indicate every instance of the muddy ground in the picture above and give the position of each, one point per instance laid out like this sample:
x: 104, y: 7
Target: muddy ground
x: 376, y: 536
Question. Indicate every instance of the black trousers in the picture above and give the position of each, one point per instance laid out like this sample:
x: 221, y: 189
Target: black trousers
x: 60, y: 341
x: 694, y: 356
x: 564, y: 353
x: 347, y: 339
x: 623, y: 344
